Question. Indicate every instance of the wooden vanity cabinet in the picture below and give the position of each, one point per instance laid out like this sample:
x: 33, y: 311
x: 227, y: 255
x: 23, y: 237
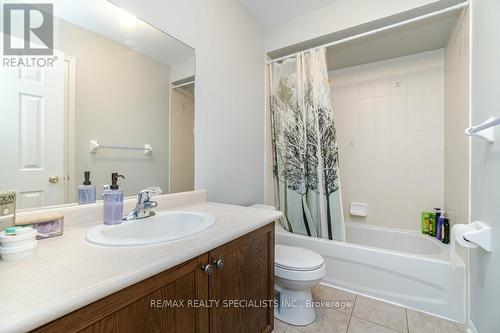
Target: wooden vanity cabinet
x: 247, y: 277
x: 239, y: 288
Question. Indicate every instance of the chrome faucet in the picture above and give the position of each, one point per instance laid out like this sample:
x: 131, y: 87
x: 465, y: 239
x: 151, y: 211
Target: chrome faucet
x: 144, y: 206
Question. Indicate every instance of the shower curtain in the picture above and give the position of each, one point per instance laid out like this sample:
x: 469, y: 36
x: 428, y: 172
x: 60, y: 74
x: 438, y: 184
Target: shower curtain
x: 305, y: 152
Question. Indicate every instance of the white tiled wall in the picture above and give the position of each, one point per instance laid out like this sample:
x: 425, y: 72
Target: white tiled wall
x: 389, y: 120
x: 456, y: 115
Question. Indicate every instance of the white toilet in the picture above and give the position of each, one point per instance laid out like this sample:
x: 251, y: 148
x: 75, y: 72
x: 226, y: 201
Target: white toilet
x: 297, y: 271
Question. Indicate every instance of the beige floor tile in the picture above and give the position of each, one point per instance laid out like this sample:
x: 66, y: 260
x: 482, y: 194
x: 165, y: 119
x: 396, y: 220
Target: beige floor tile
x: 358, y: 325
x: 279, y: 326
x: 419, y: 322
x: 327, y: 321
x: 294, y: 330
x: 341, y: 300
x: 381, y: 313
x: 368, y: 316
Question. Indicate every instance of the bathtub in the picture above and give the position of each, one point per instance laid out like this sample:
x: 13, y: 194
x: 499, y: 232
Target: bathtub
x: 398, y: 266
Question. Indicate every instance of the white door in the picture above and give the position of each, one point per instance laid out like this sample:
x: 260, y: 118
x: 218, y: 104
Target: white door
x: 31, y: 133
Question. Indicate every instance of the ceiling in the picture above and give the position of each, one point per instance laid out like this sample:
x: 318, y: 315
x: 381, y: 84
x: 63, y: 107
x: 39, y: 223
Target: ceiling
x: 272, y: 12
x: 421, y: 36
x: 102, y: 17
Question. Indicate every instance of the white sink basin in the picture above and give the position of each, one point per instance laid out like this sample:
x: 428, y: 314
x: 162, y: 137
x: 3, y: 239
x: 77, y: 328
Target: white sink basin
x: 163, y: 227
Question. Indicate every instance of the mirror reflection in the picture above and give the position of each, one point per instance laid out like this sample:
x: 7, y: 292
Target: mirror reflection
x: 118, y: 98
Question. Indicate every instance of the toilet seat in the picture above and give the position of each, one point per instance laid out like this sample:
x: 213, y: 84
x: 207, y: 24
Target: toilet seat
x: 298, y: 264
x: 300, y: 276
x: 296, y: 258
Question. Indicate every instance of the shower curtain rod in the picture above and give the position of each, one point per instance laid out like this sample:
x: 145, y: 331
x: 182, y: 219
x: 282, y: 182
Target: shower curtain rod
x: 375, y: 31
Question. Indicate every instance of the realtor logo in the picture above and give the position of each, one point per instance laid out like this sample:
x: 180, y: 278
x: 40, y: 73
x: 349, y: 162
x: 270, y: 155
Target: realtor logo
x: 28, y: 29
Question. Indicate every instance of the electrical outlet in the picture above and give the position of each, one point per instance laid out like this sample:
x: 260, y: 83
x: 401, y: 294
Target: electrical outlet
x: 7, y: 209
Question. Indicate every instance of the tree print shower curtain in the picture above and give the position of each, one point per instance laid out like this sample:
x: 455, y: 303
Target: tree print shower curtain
x: 305, y: 152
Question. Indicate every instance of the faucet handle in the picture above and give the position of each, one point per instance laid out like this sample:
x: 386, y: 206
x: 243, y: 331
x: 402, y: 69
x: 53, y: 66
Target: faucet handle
x: 156, y: 190
x: 144, y: 196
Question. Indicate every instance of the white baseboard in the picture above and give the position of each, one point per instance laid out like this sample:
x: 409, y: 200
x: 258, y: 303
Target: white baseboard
x: 471, y: 328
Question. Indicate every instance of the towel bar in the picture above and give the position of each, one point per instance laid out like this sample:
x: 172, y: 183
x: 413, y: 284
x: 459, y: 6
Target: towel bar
x: 95, y: 145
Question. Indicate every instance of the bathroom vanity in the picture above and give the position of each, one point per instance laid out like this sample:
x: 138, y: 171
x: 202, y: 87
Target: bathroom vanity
x: 194, y: 296
x: 72, y: 285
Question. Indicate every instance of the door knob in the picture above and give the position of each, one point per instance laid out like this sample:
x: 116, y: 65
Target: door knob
x: 219, y: 263
x: 54, y: 179
x: 208, y: 269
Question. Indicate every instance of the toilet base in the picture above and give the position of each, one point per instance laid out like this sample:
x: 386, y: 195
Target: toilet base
x: 294, y: 306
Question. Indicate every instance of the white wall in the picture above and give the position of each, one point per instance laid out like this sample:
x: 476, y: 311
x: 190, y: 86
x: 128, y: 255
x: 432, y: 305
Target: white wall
x: 389, y: 121
x: 229, y: 116
x: 340, y: 15
x: 485, y: 164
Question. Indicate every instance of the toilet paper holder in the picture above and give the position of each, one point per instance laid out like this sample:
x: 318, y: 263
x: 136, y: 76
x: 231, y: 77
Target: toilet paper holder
x: 478, y: 233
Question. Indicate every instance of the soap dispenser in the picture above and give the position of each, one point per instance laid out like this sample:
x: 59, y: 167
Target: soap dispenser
x: 86, y: 191
x: 113, y: 201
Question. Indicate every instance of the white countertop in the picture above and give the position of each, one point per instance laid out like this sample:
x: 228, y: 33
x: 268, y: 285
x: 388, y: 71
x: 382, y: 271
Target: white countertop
x: 67, y: 273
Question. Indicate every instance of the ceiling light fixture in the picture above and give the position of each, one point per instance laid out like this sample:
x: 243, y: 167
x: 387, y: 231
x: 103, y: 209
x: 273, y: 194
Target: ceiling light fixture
x: 126, y: 19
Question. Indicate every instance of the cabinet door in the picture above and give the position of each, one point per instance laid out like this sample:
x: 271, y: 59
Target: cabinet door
x: 158, y: 304
x: 247, y: 275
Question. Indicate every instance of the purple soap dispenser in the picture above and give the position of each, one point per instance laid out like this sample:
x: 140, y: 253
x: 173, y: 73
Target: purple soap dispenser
x: 113, y: 201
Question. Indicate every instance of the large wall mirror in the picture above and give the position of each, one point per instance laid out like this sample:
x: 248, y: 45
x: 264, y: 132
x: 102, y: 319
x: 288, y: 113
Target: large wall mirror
x: 119, y: 97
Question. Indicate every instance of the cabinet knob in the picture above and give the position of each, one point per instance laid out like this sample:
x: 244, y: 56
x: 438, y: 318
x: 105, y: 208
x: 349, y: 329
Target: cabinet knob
x: 208, y: 269
x: 219, y: 263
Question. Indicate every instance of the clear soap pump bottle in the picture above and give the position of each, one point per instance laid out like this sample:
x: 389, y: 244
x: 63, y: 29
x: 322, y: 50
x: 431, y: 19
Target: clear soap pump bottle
x: 86, y: 191
x: 113, y: 201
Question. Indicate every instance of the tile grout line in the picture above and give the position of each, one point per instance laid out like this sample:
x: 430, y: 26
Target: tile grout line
x: 407, y: 321
x: 378, y: 324
x: 341, y: 311
x: 352, y: 312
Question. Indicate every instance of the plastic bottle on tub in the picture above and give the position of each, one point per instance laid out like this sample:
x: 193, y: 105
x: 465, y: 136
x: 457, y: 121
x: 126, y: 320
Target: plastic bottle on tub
x: 445, y: 231
x: 433, y: 221
x: 439, y: 227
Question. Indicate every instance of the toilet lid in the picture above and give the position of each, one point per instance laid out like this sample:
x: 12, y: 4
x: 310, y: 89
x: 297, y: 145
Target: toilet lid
x: 296, y: 258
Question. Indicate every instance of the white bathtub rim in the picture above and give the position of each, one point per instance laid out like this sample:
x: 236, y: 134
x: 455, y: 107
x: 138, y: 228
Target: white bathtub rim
x: 454, y: 260
x: 397, y: 230
x: 471, y: 328
x: 382, y: 294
